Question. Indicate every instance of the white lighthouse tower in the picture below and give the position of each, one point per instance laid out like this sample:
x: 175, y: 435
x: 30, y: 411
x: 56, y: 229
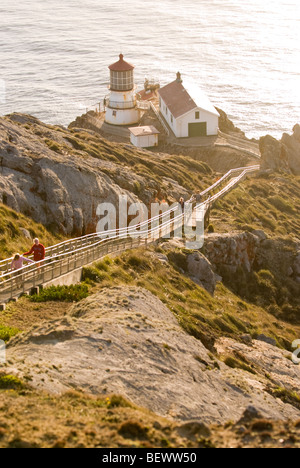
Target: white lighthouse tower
x: 121, y: 106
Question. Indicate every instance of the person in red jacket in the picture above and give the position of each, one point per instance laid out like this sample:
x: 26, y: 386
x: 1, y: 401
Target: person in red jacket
x: 38, y: 251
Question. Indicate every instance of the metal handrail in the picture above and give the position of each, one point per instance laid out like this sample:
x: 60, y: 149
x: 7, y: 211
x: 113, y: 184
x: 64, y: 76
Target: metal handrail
x: 70, y: 244
x: 68, y: 256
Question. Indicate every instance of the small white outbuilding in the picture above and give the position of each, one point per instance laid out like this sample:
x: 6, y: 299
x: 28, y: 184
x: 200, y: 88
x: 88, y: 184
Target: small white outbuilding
x: 144, y: 137
x: 188, y: 110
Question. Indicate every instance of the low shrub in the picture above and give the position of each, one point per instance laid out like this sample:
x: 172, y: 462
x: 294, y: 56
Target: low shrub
x: 10, y: 382
x: 73, y: 293
x: 7, y: 332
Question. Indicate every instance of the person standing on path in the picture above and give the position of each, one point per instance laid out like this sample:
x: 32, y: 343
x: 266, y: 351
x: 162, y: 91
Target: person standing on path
x: 17, y: 265
x: 18, y: 260
x: 38, y: 251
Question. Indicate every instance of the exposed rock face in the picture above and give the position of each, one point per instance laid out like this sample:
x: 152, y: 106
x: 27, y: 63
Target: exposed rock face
x: 200, y: 270
x: 226, y: 125
x: 281, y: 155
x: 125, y: 341
x: 292, y: 147
x: 272, y: 155
x: 232, y: 250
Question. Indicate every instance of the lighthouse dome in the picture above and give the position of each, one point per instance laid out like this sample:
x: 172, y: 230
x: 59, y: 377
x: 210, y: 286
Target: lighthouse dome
x: 121, y: 75
x: 121, y: 65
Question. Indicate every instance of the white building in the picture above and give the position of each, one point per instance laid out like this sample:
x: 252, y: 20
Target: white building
x: 121, y: 106
x: 144, y: 137
x: 187, y: 110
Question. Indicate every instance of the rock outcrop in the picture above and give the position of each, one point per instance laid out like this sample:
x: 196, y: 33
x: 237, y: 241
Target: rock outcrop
x: 233, y: 250
x: 226, y: 125
x: 200, y: 270
x: 291, y: 144
x: 55, y: 189
x: 283, y: 154
x: 126, y: 341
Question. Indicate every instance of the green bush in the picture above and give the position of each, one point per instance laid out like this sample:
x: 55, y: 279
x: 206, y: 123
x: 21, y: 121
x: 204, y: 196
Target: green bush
x: 73, y: 293
x: 7, y: 332
x: 138, y: 263
x: 8, y: 382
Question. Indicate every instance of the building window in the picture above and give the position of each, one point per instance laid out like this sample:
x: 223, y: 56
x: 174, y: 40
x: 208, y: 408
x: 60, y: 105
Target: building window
x: 171, y: 118
x: 197, y: 115
x: 114, y: 113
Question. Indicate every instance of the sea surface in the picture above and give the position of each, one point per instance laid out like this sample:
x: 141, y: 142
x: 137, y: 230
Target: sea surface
x: 245, y: 55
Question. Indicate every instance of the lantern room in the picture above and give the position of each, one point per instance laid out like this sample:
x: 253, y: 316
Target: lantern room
x: 121, y: 75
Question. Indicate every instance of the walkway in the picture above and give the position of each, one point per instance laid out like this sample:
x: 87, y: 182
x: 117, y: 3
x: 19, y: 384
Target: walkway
x: 70, y: 256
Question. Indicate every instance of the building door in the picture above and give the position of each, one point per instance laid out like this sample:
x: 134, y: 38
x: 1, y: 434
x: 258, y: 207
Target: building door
x: 197, y: 129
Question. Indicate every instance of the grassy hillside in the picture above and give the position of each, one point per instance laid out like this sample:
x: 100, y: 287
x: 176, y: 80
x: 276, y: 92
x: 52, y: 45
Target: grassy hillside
x: 12, y: 236
x: 268, y: 202
x: 200, y: 314
x: 112, y: 421
x: 76, y: 420
x: 186, y: 171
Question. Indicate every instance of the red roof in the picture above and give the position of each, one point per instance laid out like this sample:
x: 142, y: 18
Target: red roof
x: 121, y: 65
x: 180, y: 100
x: 177, y: 98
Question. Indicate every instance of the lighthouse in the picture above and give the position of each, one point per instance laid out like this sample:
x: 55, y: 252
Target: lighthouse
x: 121, y: 107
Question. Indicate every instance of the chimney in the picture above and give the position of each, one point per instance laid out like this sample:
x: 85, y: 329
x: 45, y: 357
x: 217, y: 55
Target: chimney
x: 178, y: 79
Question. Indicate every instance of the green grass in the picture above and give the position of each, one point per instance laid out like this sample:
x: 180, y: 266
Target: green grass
x: 73, y: 293
x: 235, y: 363
x: 287, y: 396
x: 10, y: 382
x: 7, y: 332
x: 270, y: 204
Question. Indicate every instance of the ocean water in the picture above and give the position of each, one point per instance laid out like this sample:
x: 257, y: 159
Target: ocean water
x: 245, y: 55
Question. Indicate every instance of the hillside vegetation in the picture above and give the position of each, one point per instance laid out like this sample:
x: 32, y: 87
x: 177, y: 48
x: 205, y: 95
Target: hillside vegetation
x: 268, y: 201
x: 17, y: 232
x: 202, y: 315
